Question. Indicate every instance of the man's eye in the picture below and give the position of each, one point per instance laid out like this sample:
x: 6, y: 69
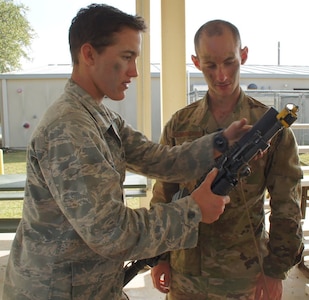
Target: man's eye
x: 127, y: 57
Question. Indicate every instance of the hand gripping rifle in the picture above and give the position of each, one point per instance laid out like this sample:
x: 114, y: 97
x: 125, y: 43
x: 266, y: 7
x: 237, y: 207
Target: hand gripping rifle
x: 132, y: 268
x: 233, y: 164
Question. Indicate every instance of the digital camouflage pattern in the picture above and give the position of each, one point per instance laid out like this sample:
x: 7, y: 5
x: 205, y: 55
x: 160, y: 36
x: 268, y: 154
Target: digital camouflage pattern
x: 203, y: 288
x: 226, y: 258
x: 75, y: 232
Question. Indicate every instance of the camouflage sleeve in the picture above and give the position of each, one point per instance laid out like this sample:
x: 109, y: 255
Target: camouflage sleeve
x: 172, y: 164
x: 164, y: 191
x: 283, y: 182
x: 88, y: 190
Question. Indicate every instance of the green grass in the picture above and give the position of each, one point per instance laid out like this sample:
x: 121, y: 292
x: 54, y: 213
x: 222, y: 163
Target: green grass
x: 15, y: 163
x: 304, y: 158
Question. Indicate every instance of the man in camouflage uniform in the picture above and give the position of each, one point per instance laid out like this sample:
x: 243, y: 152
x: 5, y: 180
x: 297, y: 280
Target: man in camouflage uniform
x: 75, y: 232
x: 226, y: 263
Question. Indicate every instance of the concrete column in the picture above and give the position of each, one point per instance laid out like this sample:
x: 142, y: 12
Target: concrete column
x: 173, y: 63
x: 144, y: 78
x: 144, y: 85
x: 1, y: 162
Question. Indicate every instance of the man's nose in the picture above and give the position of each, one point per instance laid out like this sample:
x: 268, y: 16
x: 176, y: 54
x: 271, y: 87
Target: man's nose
x: 133, y: 72
x: 221, y: 74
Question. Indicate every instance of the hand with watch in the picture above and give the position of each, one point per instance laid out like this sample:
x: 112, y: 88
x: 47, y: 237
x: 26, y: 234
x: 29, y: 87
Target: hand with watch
x: 220, y: 142
x: 224, y: 138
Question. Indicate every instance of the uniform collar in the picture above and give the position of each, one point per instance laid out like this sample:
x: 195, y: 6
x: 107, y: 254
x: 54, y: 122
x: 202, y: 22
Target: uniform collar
x: 102, y: 115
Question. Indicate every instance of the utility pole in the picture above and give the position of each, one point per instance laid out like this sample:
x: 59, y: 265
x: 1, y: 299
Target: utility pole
x: 278, y: 53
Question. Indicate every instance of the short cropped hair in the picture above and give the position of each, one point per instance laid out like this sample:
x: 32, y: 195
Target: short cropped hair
x: 216, y: 27
x: 96, y: 24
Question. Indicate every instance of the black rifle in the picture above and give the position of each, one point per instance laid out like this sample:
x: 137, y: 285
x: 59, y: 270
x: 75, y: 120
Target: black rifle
x: 233, y: 164
x: 132, y: 268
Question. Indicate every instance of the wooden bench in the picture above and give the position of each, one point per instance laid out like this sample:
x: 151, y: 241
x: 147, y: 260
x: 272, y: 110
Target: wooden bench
x: 9, y: 196
x: 130, y: 193
x: 12, y: 188
x: 303, y: 149
x: 304, y: 194
x: 9, y: 225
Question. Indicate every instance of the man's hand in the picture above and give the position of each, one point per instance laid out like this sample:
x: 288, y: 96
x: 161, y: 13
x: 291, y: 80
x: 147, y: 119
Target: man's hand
x: 211, y: 205
x: 268, y: 288
x: 236, y: 130
x: 161, y: 276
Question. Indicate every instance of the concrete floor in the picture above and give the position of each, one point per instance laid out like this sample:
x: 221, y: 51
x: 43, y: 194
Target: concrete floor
x: 141, y: 288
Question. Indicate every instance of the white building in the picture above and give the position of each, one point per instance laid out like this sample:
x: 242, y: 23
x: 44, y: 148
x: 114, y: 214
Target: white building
x: 24, y: 96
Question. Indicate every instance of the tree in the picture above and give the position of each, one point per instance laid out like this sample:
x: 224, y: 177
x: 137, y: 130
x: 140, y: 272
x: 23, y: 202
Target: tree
x: 15, y: 35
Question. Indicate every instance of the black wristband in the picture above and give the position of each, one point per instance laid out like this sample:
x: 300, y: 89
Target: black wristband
x: 220, y: 142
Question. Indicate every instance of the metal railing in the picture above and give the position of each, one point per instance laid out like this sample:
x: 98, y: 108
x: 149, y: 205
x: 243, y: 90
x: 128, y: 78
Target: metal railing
x: 268, y: 97
x: 278, y: 99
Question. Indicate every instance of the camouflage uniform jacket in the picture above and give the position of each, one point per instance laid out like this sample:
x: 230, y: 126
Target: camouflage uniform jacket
x: 226, y: 248
x: 75, y: 232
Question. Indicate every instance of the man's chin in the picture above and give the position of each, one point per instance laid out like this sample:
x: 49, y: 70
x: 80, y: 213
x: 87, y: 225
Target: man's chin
x: 118, y: 97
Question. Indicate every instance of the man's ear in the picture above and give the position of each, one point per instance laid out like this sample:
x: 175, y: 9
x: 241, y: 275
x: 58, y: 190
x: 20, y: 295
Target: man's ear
x: 244, y: 55
x: 196, y: 61
x: 87, y: 53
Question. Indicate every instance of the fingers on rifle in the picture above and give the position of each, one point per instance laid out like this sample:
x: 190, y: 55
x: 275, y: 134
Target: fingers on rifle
x: 226, y: 200
x: 211, y: 175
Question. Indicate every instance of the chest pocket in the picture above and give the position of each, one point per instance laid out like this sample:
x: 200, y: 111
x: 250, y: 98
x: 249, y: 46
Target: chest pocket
x: 187, y: 136
x: 111, y: 148
x: 116, y: 151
